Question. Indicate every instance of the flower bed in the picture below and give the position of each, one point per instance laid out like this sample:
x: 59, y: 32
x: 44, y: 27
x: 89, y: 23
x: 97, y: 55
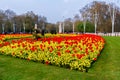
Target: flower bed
x: 15, y: 36
x: 74, y: 52
x: 5, y: 37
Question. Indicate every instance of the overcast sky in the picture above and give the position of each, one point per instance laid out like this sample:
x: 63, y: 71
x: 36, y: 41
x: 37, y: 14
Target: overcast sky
x: 54, y: 10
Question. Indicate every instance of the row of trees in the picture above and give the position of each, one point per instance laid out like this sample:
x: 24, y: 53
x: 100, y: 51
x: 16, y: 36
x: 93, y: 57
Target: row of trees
x: 95, y: 12
x: 102, y: 13
x: 21, y: 23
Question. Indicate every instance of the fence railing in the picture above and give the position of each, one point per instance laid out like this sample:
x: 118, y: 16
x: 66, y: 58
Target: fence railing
x: 109, y: 34
x: 106, y: 34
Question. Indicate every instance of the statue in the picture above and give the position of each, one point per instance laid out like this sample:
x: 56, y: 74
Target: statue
x: 35, y: 32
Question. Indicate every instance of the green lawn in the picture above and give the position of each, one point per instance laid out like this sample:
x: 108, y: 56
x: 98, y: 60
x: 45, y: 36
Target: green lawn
x: 107, y: 67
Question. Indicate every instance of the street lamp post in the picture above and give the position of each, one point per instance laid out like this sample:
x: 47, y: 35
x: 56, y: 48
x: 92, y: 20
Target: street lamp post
x: 113, y: 19
x: 112, y: 10
x: 73, y: 26
x: 43, y: 29
x: 3, y: 25
x: 112, y: 14
x: 24, y: 27
x: 84, y: 20
x: 3, y: 28
x: 60, y: 28
x: 14, y: 27
x: 63, y: 24
x: 96, y: 18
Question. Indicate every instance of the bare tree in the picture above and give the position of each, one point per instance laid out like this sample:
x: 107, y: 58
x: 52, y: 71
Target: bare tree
x: 101, y: 11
